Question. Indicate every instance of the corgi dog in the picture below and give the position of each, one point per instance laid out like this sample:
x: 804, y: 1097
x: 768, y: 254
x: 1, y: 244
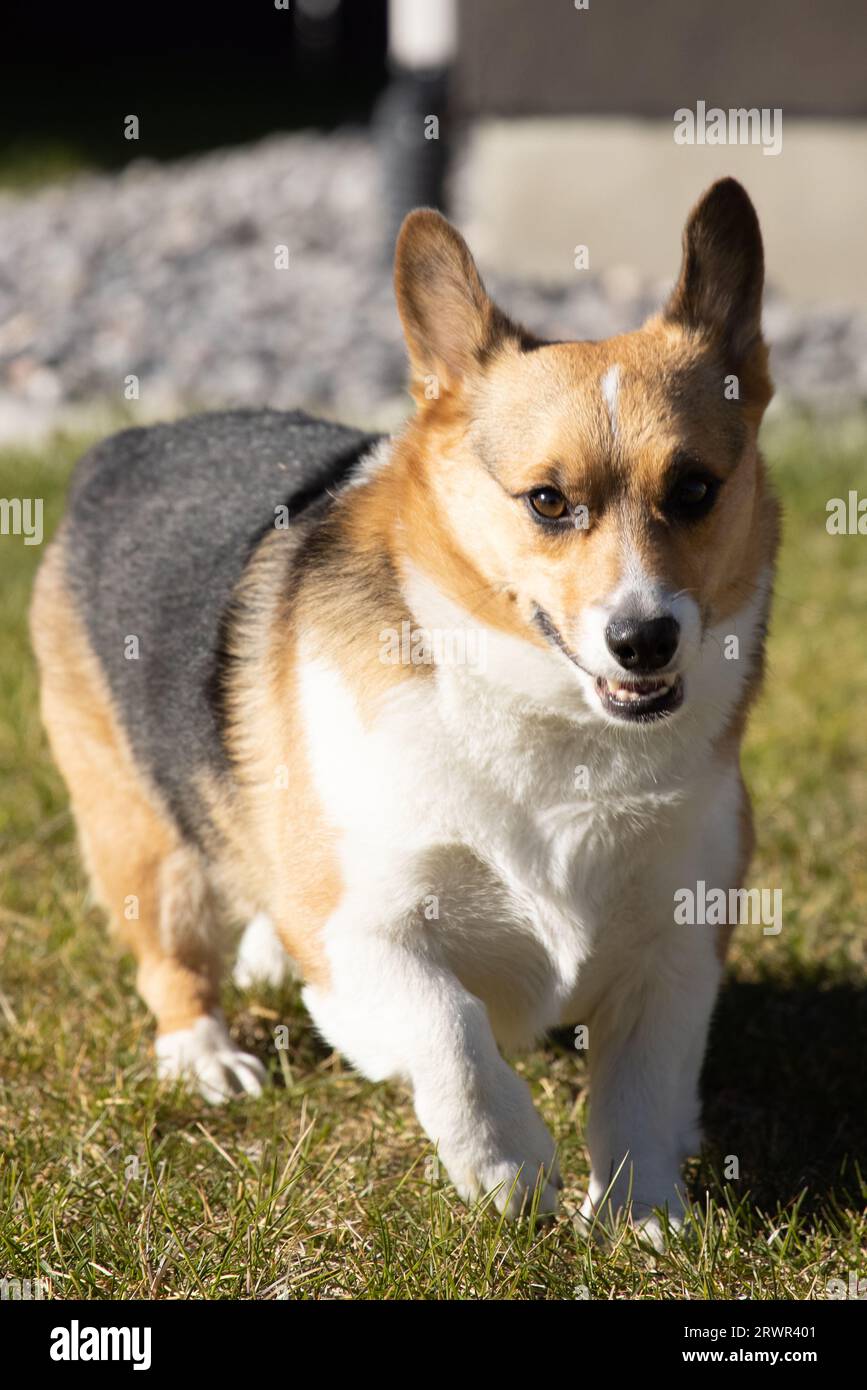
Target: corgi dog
x: 448, y: 717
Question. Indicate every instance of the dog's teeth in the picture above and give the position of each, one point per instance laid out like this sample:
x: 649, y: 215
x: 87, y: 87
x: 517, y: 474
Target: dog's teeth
x: 623, y: 692
x: 638, y: 690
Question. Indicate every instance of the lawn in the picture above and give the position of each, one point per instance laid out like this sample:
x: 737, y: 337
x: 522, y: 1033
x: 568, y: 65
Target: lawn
x: 326, y: 1187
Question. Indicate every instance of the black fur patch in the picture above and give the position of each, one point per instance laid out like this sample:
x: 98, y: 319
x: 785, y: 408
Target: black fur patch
x: 161, y: 523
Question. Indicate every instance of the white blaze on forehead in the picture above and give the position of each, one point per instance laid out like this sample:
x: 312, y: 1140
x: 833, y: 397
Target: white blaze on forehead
x: 610, y: 385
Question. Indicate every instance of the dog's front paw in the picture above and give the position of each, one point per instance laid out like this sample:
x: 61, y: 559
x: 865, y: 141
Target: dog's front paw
x: 657, y: 1231
x: 655, y: 1222
x: 513, y: 1182
x: 507, y: 1152
x: 206, y: 1056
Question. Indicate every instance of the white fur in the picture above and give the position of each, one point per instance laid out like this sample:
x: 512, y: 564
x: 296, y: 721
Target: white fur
x: 487, y: 899
x: 610, y: 386
x: 206, y: 1056
x: 261, y: 957
x: 369, y: 464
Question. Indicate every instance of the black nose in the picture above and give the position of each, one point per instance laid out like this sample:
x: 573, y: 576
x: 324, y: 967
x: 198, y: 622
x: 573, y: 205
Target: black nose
x: 642, y: 644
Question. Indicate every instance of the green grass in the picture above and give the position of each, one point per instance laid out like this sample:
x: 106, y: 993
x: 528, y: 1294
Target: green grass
x: 325, y: 1188
x: 28, y: 165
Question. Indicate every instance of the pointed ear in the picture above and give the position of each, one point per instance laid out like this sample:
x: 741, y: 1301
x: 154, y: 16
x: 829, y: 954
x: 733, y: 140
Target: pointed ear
x: 719, y: 292
x: 449, y: 323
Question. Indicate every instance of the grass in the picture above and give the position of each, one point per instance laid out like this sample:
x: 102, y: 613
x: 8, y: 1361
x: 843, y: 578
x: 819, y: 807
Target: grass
x: 28, y: 165
x: 325, y: 1188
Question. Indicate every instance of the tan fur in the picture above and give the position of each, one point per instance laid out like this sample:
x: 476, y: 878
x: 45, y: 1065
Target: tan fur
x: 134, y: 856
x: 277, y: 851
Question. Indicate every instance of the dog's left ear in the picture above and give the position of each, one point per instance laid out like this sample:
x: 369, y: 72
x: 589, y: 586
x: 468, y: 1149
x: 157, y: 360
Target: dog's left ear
x: 449, y: 322
x: 719, y: 292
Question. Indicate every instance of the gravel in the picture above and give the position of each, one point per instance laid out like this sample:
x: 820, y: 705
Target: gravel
x: 167, y: 273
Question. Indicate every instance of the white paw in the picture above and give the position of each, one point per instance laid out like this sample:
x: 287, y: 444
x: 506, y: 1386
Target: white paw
x: 206, y: 1056
x: 599, y: 1217
x: 261, y: 956
x: 506, y: 1151
x: 513, y: 1181
x: 657, y: 1232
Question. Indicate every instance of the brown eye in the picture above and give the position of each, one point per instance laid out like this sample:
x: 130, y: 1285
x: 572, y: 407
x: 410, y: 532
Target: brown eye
x: 548, y: 502
x: 692, y: 496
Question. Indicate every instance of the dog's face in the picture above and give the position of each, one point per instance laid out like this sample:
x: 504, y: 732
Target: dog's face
x: 608, y: 494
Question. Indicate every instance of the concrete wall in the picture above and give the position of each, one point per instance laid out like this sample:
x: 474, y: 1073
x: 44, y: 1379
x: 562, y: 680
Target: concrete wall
x: 529, y: 191
x: 647, y: 57
x: 571, y: 133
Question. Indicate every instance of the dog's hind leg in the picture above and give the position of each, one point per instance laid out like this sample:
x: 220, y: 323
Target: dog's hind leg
x: 152, y: 883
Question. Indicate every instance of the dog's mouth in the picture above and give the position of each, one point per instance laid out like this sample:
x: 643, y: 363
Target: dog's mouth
x: 640, y: 700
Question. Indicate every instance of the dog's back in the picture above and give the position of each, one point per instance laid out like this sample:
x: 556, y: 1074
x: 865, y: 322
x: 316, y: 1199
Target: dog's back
x: 160, y: 526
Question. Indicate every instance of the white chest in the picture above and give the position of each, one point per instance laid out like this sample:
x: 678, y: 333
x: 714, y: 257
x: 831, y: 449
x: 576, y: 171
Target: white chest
x: 526, y: 848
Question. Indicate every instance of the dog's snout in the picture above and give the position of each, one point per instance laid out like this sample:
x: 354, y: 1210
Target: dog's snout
x: 642, y: 644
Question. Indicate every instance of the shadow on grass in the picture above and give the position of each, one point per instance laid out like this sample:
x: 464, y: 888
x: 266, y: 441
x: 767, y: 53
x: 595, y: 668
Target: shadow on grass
x: 784, y: 1091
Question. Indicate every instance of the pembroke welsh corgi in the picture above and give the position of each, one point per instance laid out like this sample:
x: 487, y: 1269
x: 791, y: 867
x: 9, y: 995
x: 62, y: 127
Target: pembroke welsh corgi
x: 449, y: 717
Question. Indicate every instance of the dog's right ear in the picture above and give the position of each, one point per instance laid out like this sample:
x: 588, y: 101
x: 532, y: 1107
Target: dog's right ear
x: 449, y: 322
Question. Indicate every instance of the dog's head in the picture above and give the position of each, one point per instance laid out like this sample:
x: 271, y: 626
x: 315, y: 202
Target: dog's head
x: 601, y: 500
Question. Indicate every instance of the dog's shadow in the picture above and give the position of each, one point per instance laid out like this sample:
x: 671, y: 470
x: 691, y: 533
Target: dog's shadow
x: 784, y: 1092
